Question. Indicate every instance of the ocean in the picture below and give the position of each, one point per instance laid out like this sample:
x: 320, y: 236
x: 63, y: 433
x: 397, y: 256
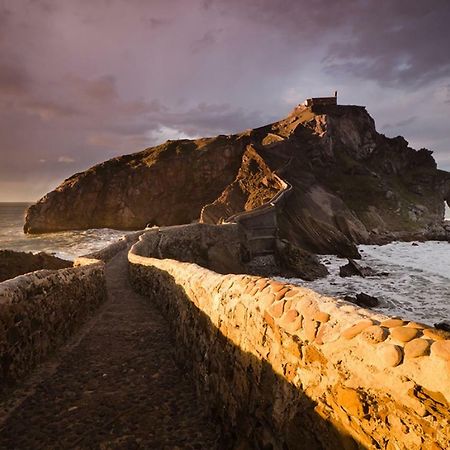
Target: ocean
x: 66, y: 245
x: 417, y: 287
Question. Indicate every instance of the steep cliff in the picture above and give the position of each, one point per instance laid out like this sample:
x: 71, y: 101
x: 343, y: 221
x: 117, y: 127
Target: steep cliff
x: 350, y: 183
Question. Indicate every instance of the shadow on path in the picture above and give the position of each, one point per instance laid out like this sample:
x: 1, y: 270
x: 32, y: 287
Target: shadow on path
x: 115, y: 387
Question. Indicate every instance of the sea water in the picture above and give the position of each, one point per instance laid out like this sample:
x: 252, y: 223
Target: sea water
x: 416, y: 285
x: 66, y: 245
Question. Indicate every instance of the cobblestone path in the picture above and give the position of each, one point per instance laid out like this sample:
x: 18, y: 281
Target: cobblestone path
x: 115, y: 386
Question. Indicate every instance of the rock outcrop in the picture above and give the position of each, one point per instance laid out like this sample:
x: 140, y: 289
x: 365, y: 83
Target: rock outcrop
x: 350, y: 184
x: 13, y: 264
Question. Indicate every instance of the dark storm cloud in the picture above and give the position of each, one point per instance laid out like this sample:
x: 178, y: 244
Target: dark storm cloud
x: 85, y: 80
x: 400, y: 43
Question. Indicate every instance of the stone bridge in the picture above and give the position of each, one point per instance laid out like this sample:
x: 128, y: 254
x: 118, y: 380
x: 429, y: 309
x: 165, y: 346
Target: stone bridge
x: 152, y: 343
x: 260, y: 225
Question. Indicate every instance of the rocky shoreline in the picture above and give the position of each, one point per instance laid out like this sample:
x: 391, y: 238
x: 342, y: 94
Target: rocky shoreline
x: 13, y: 264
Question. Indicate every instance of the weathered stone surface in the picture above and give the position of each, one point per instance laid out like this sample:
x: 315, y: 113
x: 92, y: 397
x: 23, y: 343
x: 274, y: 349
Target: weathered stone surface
x: 441, y: 349
x: 390, y: 323
x: 40, y: 310
x: 437, y: 335
x: 416, y: 348
x: 261, y: 374
x: 350, y: 400
x: 308, y: 308
x: 280, y: 294
x: 276, y: 286
x: 404, y: 334
x: 321, y: 316
x: 310, y: 327
x: 290, y: 316
x: 276, y: 310
x: 357, y: 328
x: 418, y: 325
x: 266, y: 300
x: 374, y: 334
x: 389, y: 355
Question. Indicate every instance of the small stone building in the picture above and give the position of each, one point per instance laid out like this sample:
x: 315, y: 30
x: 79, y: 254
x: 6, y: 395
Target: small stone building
x: 321, y: 101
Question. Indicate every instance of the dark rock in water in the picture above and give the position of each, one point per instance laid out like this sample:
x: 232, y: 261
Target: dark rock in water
x: 362, y: 299
x: 415, y: 244
x: 300, y: 263
x: 442, y: 326
x: 13, y: 264
x: 352, y: 268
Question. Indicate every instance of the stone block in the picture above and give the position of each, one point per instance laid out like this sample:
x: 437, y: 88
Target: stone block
x: 276, y: 310
x: 280, y: 294
x: 276, y: 286
x: 441, y: 349
x: 310, y: 327
x: 350, y: 400
x: 374, y: 334
x: 390, y: 323
x: 416, y: 348
x: 322, y: 317
x: 435, y: 334
x: 404, y: 334
x: 389, y: 355
x: 357, y: 328
x: 308, y: 308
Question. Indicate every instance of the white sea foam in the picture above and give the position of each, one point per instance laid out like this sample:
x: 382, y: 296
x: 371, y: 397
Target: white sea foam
x: 66, y: 245
x: 417, y: 287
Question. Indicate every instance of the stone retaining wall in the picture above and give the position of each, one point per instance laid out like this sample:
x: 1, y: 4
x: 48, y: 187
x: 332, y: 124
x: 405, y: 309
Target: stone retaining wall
x: 288, y: 368
x: 40, y: 310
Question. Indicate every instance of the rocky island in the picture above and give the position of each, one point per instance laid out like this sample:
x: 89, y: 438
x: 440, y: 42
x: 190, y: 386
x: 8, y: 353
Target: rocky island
x: 348, y: 183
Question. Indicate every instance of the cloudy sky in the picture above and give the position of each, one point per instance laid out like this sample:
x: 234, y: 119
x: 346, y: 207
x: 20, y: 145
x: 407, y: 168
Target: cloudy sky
x: 85, y: 80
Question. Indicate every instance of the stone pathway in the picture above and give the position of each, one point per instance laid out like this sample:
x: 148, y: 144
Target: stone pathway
x: 115, y: 386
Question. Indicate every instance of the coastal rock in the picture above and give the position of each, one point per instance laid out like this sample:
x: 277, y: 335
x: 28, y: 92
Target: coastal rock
x: 352, y: 268
x: 443, y: 326
x: 13, y: 264
x: 350, y: 184
x: 299, y: 263
x: 362, y: 299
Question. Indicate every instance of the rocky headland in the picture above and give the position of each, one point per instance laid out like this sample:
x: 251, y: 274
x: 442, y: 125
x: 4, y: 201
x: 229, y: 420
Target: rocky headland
x: 348, y: 184
x: 13, y: 264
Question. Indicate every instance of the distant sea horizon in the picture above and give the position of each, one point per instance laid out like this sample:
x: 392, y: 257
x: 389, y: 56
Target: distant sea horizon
x: 66, y: 244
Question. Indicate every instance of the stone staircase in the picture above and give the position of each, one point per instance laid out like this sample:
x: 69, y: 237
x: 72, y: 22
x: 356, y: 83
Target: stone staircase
x: 260, y: 225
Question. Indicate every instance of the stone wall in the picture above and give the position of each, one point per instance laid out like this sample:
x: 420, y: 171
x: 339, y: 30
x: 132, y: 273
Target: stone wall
x: 40, y: 310
x: 284, y: 367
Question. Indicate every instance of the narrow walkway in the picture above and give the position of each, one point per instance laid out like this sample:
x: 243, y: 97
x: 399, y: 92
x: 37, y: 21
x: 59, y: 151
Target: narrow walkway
x: 115, y: 387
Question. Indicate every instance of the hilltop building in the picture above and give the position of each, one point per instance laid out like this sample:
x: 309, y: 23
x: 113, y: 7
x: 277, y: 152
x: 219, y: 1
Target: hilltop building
x: 322, y: 101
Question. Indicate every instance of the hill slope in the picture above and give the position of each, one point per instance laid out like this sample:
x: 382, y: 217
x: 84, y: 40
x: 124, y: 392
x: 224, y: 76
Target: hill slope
x: 350, y: 183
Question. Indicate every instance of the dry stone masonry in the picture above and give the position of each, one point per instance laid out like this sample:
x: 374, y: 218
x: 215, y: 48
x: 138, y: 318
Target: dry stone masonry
x: 40, y: 310
x: 286, y: 367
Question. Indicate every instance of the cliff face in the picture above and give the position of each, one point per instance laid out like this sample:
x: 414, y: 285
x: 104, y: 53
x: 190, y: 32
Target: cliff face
x: 164, y: 185
x: 350, y: 183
